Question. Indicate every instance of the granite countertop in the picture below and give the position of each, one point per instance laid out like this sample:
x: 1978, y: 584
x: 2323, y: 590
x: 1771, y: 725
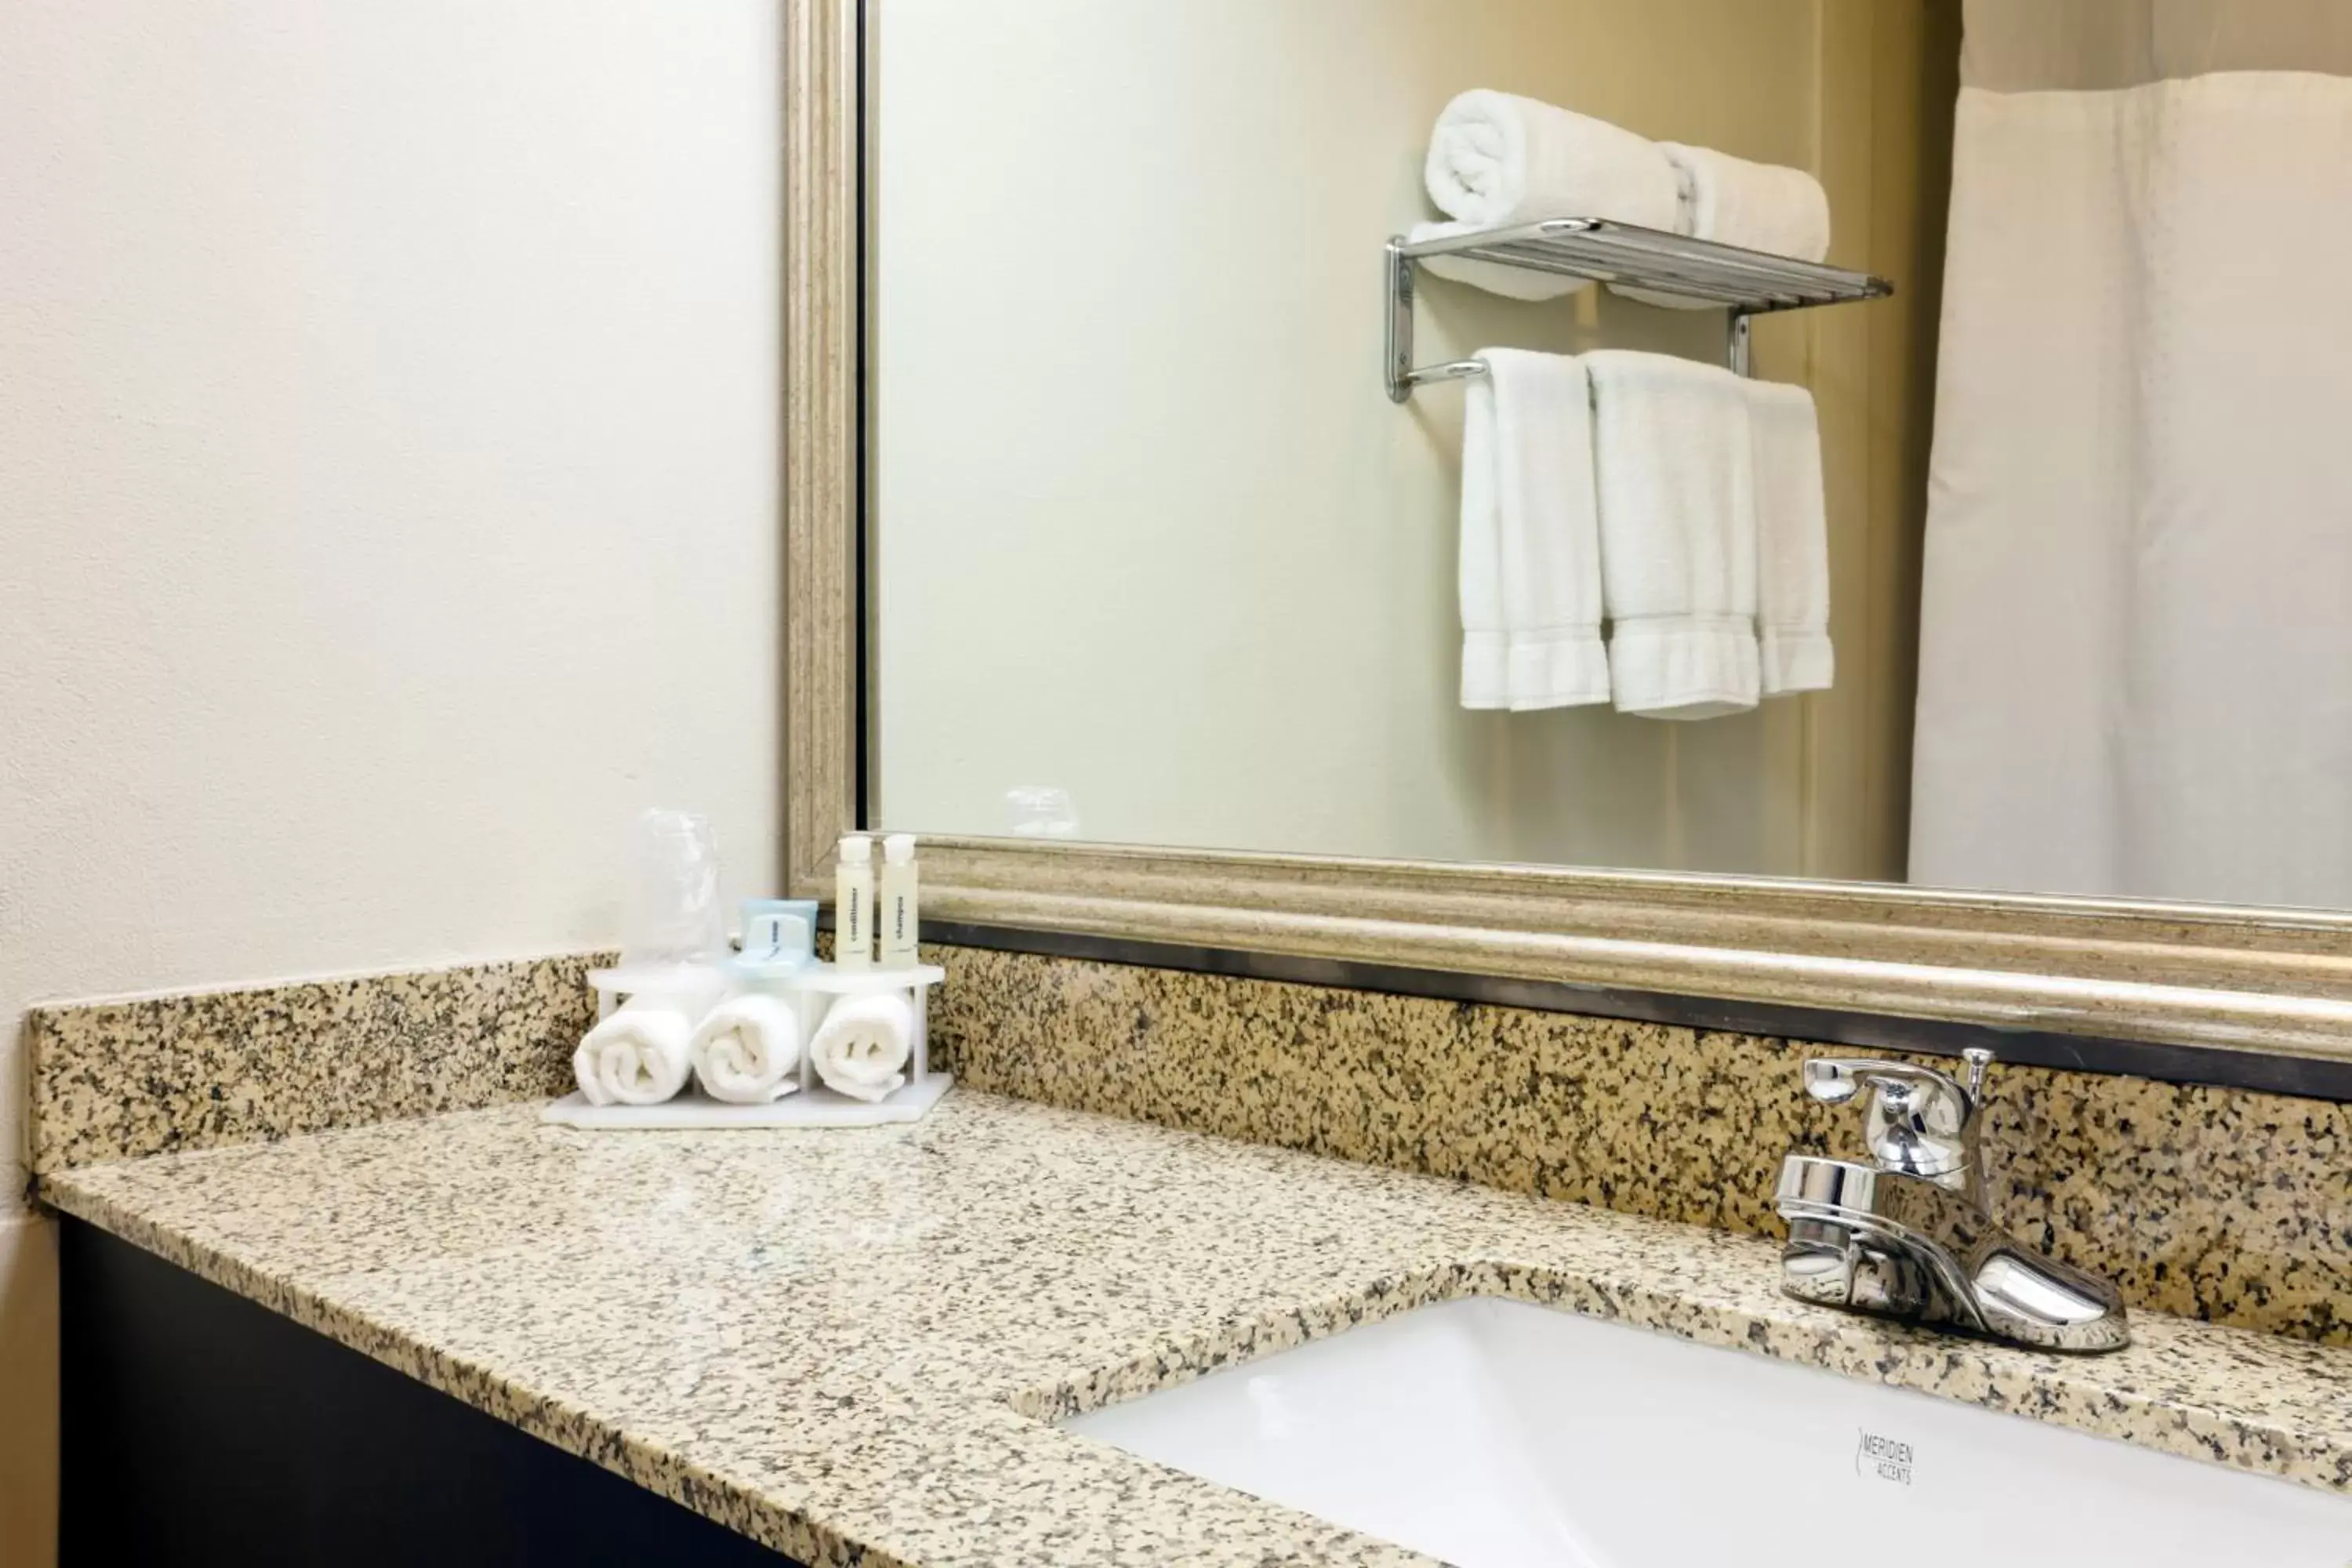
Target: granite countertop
x: 850, y: 1344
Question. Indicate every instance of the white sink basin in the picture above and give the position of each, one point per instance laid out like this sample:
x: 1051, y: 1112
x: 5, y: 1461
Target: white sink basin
x: 1494, y: 1434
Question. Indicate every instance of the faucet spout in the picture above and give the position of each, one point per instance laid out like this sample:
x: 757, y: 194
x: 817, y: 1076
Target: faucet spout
x: 1910, y: 1235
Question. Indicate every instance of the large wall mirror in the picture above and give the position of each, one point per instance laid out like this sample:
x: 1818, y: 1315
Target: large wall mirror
x: 1971, y: 641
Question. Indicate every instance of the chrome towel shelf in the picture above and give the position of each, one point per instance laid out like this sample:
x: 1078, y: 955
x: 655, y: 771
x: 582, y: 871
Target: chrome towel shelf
x: 1747, y: 282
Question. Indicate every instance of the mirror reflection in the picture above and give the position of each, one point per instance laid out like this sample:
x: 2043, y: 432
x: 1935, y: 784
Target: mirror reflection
x: 1916, y: 462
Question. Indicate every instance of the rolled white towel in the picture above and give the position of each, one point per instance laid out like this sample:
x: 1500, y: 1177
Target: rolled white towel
x: 1763, y: 207
x: 861, y: 1048
x: 745, y: 1050
x: 639, y: 1056
x: 1757, y: 206
x: 1496, y: 158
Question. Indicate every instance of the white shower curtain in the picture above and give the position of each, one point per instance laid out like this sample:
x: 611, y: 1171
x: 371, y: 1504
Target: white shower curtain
x: 2135, y: 659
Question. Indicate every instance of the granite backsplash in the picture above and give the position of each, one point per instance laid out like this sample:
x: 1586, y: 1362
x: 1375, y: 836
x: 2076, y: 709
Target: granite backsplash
x: 2223, y: 1204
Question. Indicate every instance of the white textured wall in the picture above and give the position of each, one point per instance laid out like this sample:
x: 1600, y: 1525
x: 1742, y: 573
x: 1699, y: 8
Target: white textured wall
x: 388, y: 416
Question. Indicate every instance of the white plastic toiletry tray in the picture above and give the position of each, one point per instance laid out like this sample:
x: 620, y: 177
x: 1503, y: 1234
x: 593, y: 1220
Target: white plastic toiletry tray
x: 811, y: 989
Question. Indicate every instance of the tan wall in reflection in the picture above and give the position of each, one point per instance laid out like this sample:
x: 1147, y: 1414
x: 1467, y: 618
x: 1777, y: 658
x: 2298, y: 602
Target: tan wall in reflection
x: 1145, y: 524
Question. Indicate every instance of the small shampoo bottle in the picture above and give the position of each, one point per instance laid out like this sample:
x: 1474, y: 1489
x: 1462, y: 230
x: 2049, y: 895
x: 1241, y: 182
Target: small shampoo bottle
x: 896, y: 917
x: 852, y: 904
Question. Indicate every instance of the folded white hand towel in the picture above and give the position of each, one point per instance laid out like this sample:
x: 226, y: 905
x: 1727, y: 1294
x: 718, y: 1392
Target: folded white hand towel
x: 745, y: 1050
x: 638, y: 1056
x: 861, y: 1048
x: 1496, y: 159
x: 1792, y: 540
x: 1674, y: 473
x: 1530, y: 552
x: 1511, y: 282
x: 1759, y: 206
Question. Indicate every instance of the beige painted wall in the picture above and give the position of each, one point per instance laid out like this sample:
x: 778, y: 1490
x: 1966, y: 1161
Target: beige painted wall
x: 388, y: 466
x: 1147, y: 526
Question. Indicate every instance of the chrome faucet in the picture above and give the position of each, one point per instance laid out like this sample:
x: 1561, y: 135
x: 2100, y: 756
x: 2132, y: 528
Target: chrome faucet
x: 1910, y: 1235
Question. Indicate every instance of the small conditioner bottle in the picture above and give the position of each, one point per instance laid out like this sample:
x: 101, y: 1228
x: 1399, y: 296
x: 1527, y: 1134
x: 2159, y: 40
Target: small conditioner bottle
x: 897, y: 914
x: 853, y: 905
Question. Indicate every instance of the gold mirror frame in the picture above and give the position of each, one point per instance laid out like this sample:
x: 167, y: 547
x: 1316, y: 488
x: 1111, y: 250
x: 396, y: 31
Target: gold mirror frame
x: 2277, y: 982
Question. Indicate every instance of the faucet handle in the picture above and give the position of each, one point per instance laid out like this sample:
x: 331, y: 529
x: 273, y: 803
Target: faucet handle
x: 1979, y: 1060
x: 1919, y: 1120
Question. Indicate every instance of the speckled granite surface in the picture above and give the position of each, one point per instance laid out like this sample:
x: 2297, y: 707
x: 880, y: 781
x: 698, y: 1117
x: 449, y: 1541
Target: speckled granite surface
x: 2221, y: 1204
x: 117, y: 1080
x: 2214, y: 1202
x: 843, y: 1344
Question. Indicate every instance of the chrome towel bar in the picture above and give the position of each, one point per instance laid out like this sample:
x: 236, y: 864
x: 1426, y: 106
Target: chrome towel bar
x: 1746, y: 282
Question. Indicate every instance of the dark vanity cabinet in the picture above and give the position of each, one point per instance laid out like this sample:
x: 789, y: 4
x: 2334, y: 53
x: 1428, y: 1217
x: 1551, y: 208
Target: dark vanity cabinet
x: 200, y: 1427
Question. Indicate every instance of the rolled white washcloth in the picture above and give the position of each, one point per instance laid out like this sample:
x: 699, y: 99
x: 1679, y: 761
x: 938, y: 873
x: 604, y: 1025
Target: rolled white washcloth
x: 639, y: 1056
x: 861, y: 1048
x: 745, y: 1050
